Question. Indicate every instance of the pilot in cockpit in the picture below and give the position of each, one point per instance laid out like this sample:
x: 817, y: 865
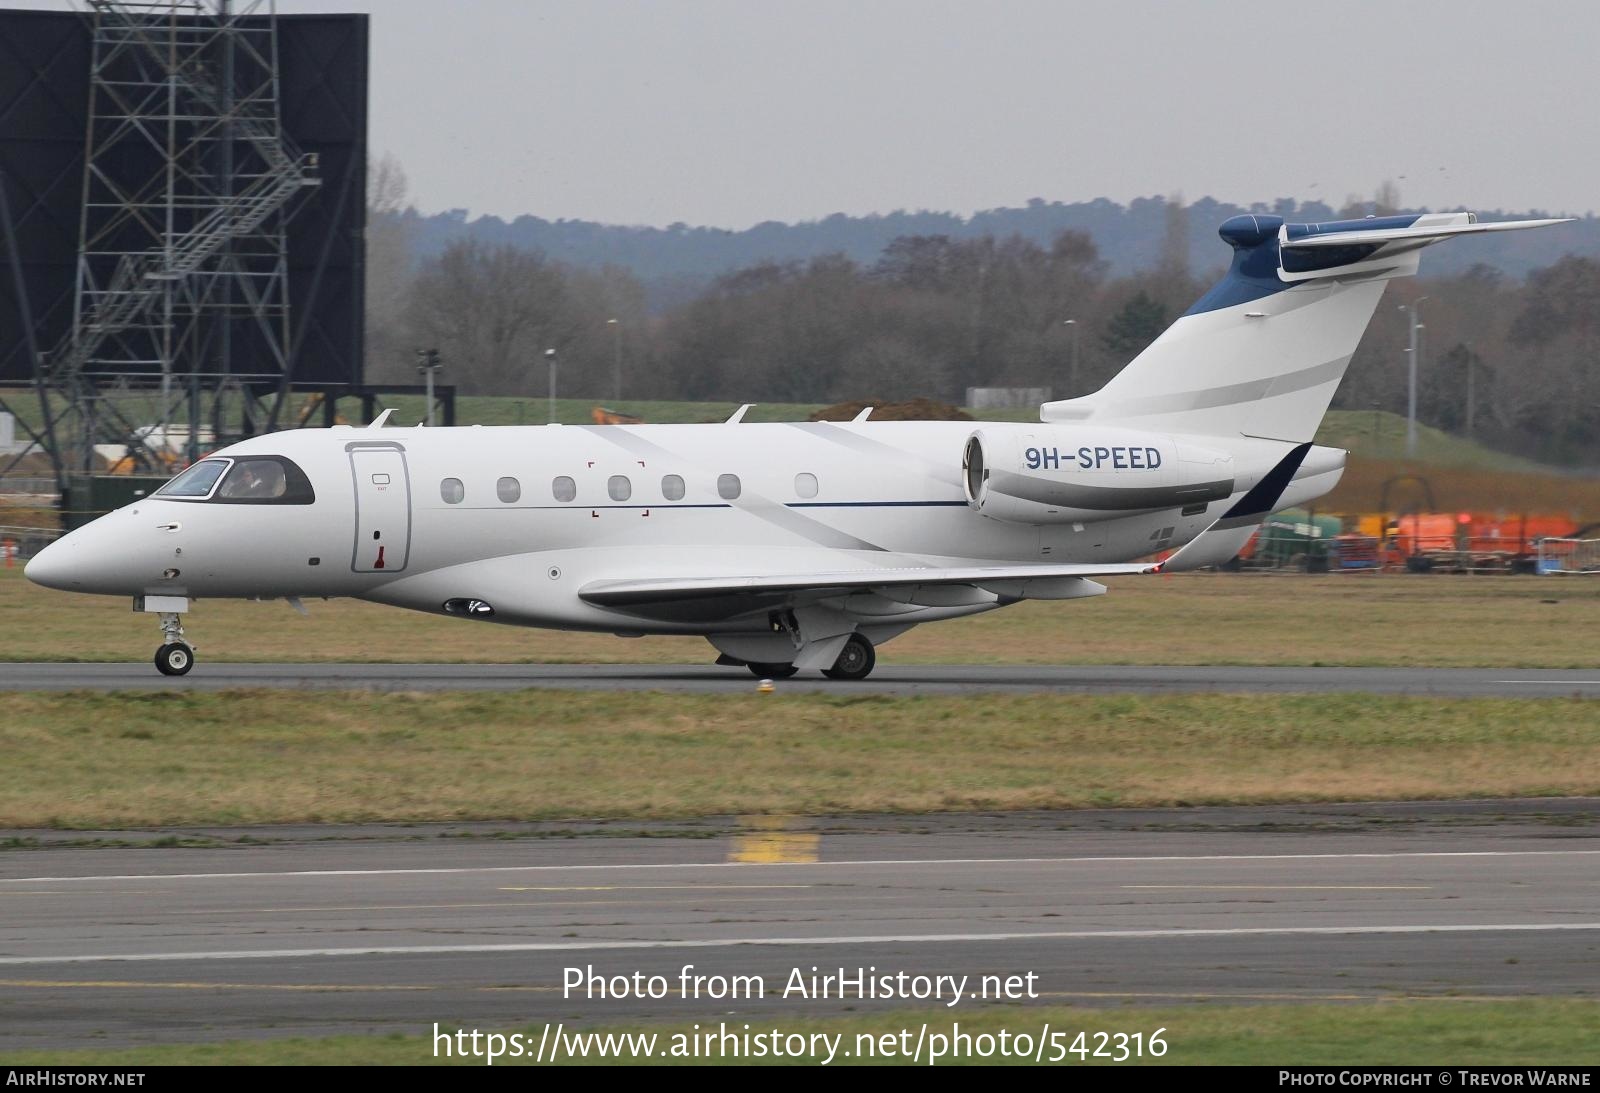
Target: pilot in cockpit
x: 256, y: 478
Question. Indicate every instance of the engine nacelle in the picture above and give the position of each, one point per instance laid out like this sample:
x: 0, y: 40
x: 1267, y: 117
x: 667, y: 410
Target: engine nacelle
x: 1052, y: 474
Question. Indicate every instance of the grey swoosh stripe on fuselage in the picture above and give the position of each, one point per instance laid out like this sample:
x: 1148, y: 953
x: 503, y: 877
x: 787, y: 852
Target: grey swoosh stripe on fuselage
x: 834, y: 433
x: 764, y: 508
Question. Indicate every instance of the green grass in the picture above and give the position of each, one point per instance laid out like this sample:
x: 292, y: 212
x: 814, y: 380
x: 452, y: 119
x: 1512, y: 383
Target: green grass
x: 1382, y: 435
x: 161, y: 759
x: 1405, y: 620
x: 495, y: 410
x: 1368, y: 434
x: 1411, y: 1032
x: 1364, y: 433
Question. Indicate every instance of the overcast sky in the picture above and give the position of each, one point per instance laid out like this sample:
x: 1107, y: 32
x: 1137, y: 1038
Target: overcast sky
x: 728, y: 113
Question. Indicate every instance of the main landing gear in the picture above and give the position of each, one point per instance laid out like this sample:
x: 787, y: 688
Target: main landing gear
x: 856, y: 661
x: 176, y: 656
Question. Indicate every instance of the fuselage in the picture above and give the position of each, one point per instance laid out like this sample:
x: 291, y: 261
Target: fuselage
x: 525, y: 516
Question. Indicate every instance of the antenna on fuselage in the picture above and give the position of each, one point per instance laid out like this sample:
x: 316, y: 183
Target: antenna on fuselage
x: 379, y: 421
x: 738, y: 415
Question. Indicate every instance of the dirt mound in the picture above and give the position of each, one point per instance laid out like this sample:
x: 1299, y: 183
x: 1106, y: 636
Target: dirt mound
x: 918, y: 409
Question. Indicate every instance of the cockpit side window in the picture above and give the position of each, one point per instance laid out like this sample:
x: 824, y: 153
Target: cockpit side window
x: 196, y: 482
x: 265, y: 480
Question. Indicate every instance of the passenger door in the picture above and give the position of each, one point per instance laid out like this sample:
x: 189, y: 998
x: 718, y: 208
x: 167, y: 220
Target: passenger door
x: 383, y: 507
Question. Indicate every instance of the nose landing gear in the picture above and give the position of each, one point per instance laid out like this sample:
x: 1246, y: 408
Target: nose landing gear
x: 174, y: 659
x: 176, y: 656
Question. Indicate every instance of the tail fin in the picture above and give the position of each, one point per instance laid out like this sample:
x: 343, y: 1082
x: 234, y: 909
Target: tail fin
x: 1262, y: 353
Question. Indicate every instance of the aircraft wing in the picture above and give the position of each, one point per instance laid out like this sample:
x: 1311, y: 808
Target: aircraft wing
x: 903, y: 583
x: 728, y: 596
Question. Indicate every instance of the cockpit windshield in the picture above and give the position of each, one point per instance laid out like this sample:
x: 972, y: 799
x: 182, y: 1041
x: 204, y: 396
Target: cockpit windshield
x: 196, y: 481
x: 246, y: 480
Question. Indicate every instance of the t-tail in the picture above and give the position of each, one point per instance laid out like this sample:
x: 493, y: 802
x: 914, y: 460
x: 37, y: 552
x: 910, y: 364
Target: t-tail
x: 1262, y: 353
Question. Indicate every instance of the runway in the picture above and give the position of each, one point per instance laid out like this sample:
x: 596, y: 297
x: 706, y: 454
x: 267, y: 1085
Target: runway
x: 889, y: 678
x: 314, y: 931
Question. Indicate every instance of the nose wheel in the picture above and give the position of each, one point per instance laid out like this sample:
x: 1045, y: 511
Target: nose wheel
x: 174, y: 659
x: 176, y: 656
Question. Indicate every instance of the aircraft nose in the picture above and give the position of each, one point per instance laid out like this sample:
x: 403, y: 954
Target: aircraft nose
x: 52, y: 566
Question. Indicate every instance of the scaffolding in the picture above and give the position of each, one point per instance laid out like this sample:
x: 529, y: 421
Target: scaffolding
x: 181, y: 311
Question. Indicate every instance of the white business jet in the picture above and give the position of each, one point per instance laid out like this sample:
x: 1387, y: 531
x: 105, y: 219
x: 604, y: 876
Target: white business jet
x: 799, y: 546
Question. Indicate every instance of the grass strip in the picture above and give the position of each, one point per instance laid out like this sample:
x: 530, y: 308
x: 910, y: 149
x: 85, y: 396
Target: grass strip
x: 1401, y: 620
x: 93, y: 760
x: 1454, y: 1032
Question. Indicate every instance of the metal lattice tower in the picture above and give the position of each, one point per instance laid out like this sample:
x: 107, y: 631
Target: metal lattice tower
x: 188, y: 180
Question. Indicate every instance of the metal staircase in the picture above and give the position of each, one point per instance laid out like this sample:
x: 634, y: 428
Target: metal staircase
x: 188, y: 180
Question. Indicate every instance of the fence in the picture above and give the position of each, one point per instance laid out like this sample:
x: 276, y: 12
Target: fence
x: 1308, y: 544
x: 1569, y: 556
x: 17, y: 545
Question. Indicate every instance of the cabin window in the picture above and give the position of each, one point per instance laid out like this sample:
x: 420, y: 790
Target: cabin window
x: 196, y: 481
x: 619, y: 487
x: 727, y: 486
x: 564, y: 488
x: 264, y: 480
x: 452, y: 491
x: 672, y: 488
x: 805, y: 484
x: 508, y: 490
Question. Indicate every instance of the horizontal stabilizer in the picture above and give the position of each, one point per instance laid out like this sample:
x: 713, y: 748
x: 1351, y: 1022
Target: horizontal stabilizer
x: 1417, y: 233
x: 1387, y: 246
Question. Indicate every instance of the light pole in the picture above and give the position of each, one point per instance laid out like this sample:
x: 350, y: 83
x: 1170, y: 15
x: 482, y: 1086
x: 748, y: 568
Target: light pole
x: 1471, y: 404
x: 616, y: 359
x: 1072, y: 376
x: 1411, y: 382
x: 428, y: 363
x: 550, y: 359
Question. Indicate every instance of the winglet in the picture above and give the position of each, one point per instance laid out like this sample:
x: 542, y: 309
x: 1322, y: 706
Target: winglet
x: 1225, y: 538
x: 382, y: 419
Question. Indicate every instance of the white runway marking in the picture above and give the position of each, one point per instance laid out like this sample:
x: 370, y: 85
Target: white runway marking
x: 867, y: 939
x: 1282, y: 887
x: 1549, y: 682
x: 873, y: 863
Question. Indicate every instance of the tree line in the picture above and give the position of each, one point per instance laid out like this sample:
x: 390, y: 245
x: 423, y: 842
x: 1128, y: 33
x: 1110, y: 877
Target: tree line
x: 1513, y: 362
x: 1130, y: 236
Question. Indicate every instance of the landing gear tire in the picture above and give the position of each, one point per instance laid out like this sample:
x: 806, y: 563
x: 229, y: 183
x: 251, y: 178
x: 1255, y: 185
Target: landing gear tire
x: 771, y: 671
x: 856, y: 661
x: 174, y: 659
